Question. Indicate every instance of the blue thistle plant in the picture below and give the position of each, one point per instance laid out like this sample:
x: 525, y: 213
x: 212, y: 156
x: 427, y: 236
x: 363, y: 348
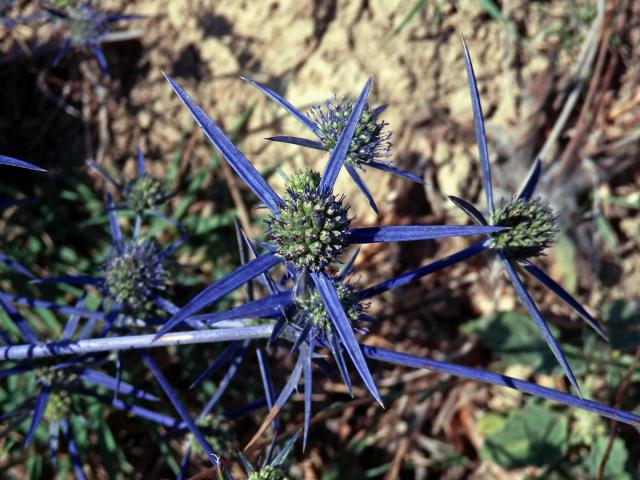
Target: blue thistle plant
x: 369, y: 145
x: 86, y: 26
x: 144, y: 194
x: 134, y: 275
x: 370, y: 142
x: 320, y: 244
x: 531, y: 227
x: 304, y: 322
x: 62, y: 386
x: 304, y: 319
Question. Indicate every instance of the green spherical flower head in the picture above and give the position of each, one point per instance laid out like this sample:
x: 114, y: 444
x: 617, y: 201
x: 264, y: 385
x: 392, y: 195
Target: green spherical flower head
x: 269, y: 472
x: 58, y: 406
x: 144, y: 193
x: 131, y: 277
x: 369, y: 142
x: 86, y: 24
x: 53, y: 377
x: 310, y: 228
x: 59, y: 402
x: 310, y: 306
x: 532, y: 228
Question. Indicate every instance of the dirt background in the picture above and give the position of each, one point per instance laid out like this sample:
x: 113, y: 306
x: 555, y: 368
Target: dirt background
x: 527, y: 63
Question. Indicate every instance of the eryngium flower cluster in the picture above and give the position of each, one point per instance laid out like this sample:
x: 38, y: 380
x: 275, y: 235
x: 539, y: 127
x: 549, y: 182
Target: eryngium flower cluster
x: 269, y: 472
x: 369, y: 141
x: 532, y: 228
x: 144, y: 193
x: 86, y: 24
x: 310, y: 226
x: 133, y: 275
x: 311, y: 308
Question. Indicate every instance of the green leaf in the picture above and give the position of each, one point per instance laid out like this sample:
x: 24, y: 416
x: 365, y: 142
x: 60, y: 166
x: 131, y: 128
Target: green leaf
x: 626, y: 202
x: 514, y: 339
x: 494, y: 12
x: 531, y: 436
x: 614, y: 468
x: 417, y: 6
x: 490, y: 423
x: 623, y: 319
x: 607, y: 233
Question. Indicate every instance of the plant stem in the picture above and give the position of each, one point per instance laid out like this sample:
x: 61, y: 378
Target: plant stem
x: 111, y: 344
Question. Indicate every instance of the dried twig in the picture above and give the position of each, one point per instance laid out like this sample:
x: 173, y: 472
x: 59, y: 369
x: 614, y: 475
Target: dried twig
x: 583, y: 66
x: 622, y: 389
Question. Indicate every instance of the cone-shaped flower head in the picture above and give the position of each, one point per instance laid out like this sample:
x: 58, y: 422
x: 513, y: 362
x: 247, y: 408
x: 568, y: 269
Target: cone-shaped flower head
x: 60, y: 402
x: 311, y: 308
x: 311, y: 225
x: 86, y: 24
x: 144, y: 193
x: 59, y: 406
x: 271, y: 469
x: 269, y: 472
x: 370, y: 142
x: 532, y: 228
x: 133, y: 275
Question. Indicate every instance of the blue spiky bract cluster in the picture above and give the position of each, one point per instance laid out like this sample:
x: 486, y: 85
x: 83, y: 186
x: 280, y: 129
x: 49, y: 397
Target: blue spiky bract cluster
x: 134, y: 274
x: 310, y: 228
x: 370, y: 141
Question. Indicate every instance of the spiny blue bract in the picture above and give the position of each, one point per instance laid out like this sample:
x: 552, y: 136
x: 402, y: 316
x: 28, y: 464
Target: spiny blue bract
x: 369, y: 141
x: 133, y: 275
x: 310, y: 228
x: 532, y: 228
